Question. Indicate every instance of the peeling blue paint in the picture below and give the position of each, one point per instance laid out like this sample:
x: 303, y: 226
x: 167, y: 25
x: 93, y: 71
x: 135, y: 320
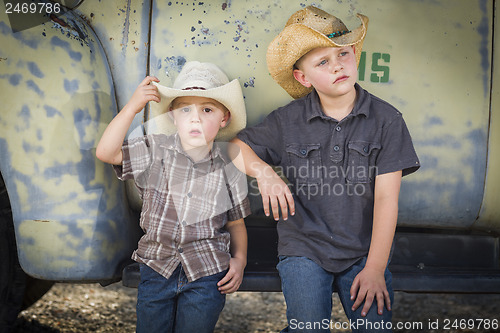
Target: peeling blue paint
x: 82, y: 120
x: 174, y: 64
x: 33, y: 86
x: 76, y: 56
x: 97, y: 106
x: 74, y: 230
x: 58, y: 42
x: 28, y: 148
x: 434, y: 121
x: 249, y: 83
x: 483, y: 30
x: 25, y: 114
x: 51, y: 111
x: 33, y: 196
x: 448, y: 141
x: 5, y: 29
x: 35, y: 70
x: 57, y: 170
x: 71, y: 86
x: 14, y: 79
x: 126, y: 28
x: 430, y: 162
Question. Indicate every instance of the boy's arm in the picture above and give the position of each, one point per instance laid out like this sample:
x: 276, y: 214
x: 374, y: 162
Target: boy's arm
x: 238, y: 248
x: 369, y: 284
x: 273, y: 189
x: 109, y: 147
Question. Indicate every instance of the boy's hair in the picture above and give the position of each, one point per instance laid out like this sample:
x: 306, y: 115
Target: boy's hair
x: 201, y: 80
x: 296, y: 65
x: 305, y: 30
x: 224, y: 108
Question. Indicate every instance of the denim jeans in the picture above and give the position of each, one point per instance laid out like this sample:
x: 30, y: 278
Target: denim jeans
x: 308, y: 290
x: 176, y: 305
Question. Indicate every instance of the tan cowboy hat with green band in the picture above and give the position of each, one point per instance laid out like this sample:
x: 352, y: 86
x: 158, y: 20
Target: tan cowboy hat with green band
x: 305, y: 30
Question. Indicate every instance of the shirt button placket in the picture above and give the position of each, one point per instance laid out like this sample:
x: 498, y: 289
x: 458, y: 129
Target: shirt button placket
x: 189, y: 184
x: 336, y: 144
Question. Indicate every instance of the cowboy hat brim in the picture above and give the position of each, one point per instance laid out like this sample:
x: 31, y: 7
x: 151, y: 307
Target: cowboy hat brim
x: 230, y: 95
x: 296, y: 40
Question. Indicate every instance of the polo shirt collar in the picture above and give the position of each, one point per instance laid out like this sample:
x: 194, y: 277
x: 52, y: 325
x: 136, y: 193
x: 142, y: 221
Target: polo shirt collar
x: 362, y: 106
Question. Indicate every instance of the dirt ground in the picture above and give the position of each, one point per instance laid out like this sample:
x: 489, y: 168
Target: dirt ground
x: 92, y: 308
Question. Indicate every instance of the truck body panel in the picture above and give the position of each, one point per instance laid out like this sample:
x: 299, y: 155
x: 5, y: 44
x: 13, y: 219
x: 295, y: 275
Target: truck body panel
x: 64, y: 80
x: 490, y: 209
x: 71, y: 216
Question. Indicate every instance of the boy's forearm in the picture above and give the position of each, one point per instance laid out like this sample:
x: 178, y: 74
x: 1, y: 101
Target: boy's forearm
x: 109, y: 148
x: 248, y: 162
x: 385, y: 215
x: 239, y: 240
x: 274, y: 191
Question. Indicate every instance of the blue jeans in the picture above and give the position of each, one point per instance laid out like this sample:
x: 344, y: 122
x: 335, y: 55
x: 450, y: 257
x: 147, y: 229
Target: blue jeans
x: 176, y: 305
x: 308, y: 290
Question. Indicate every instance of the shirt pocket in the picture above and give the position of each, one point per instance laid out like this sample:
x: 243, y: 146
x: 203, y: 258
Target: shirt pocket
x: 305, y: 163
x: 361, y: 161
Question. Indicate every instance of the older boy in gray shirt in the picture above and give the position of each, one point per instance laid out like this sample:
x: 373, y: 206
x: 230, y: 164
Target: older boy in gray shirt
x: 343, y: 152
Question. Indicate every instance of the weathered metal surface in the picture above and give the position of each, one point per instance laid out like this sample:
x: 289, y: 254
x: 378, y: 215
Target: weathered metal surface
x: 489, y: 217
x: 71, y: 218
x: 123, y: 29
x: 62, y: 82
x: 430, y: 59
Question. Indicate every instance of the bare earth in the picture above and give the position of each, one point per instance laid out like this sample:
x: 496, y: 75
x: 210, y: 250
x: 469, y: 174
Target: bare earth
x: 92, y: 308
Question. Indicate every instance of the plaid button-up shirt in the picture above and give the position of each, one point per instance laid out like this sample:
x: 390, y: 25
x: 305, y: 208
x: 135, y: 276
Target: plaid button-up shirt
x: 185, y: 204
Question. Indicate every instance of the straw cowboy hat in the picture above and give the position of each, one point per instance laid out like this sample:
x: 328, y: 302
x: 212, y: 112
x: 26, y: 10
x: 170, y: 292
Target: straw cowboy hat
x: 305, y: 30
x: 201, y: 80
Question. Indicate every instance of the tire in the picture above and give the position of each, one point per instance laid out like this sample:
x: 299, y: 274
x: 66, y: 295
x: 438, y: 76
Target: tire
x: 12, y: 277
x: 17, y: 290
x: 34, y: 290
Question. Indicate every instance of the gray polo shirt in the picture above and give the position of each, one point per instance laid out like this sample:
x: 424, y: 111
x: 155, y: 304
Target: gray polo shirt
x: 331, y: 167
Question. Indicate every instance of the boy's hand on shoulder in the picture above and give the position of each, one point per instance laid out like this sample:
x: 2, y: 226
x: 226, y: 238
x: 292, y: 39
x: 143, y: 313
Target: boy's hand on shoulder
x: 143, y: 94
x: 275, y: 192
x: 369, y: 285
x: 232, y: 280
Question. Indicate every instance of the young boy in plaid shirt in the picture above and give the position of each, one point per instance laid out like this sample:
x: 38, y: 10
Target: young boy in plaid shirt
x: 194, y: 246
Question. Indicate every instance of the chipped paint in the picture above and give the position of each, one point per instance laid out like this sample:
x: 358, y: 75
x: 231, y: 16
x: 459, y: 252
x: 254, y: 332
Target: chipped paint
x: 57, y: 98
x: 172, y: 64
x: 112, y: 21
x: 490, y: 209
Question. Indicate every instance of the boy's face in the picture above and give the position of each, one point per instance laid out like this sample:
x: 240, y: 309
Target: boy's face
x: 198, y: 120
x: 332, y: 71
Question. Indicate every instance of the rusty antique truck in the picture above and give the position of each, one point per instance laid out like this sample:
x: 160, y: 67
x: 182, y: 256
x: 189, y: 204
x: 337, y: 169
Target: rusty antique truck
x: 67, y: 67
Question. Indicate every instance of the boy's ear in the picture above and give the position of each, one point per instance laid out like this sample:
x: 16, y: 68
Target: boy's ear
x: 301, y: 78
x: 170, y: 114
x: 226, y: 119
